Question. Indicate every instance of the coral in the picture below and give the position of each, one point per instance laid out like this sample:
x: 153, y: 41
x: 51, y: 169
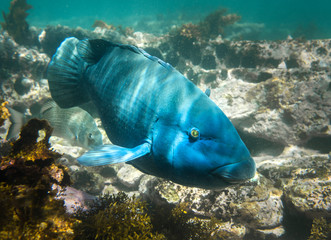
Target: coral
x: 320, y: 229
x: 29, y: 179
x: 15, y: 23
x: 115, y: 217
x: 4, y: 113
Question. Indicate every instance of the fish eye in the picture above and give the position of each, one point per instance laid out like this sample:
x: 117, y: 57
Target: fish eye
x: 90, y: 139
x: 194, y: 133
x: 90, y: 136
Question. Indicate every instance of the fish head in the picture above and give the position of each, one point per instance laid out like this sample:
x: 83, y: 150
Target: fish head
x: 90, y: 137
x: 203, y: 149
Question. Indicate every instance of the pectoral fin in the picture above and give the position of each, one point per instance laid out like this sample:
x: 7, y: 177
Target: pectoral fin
x: 110, y: 154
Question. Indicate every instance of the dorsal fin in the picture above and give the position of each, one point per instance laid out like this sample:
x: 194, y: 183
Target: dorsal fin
x: 207, y: 92
x: 91, y: 51
x: 155, y: 59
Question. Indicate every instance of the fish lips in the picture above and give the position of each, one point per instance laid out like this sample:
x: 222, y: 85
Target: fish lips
x: 234, y: 173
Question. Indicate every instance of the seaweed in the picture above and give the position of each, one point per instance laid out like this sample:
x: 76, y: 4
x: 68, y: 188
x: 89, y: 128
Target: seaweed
x: 186, y: 40
x: 15, y: 21
x: 178, y: 222
x: 122, y: 217
x: 187, y: 227
x: 320, y: 229
x: 115, y: 217
x: 102, y: 24
x: 216, y: 22
x: 127, y: 31
x: 29, y: 179
x: 189, y: 38
x: 4, y: 113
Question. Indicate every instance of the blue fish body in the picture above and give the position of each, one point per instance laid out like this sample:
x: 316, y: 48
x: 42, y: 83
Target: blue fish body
x: 158, y: 120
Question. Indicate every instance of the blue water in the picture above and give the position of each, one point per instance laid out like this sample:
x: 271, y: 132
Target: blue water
x: 280, y: 17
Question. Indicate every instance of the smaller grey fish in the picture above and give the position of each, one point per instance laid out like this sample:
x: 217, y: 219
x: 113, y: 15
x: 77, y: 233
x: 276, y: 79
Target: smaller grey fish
x: 73, y: 124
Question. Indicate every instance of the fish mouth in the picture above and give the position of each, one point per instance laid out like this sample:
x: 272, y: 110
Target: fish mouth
x: 234, y: 173
x: 226, y: 179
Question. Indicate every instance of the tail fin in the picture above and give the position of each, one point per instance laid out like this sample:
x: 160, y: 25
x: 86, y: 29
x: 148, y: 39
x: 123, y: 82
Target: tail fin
x: 17, y: 120
x: 65, y: 74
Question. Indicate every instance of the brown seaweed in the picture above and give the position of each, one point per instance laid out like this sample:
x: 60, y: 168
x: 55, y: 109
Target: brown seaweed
x: 15, y: 21
x: 29, y: 183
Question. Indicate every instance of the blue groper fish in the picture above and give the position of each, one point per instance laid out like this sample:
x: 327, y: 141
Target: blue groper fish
x: 158, y: 120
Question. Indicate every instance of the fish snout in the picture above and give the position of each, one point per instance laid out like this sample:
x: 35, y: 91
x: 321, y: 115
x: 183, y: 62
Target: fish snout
x: 236, y: 172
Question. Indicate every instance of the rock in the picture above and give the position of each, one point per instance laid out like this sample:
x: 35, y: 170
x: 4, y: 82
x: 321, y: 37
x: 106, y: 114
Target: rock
x: 88, y: 181
x: 256, y: 205
x: 277, y: 94
x: 147, y: 184
x: 20, y: 71
x: 304, y: 177
x: 230, y: 230
x: 74, y: 168
x: 208, y: 62
x: 109, y: 189
x: 309, y: 189
x: 286, y: 100
x: 75, y: 199
x: 291, y: 110
x: 129, y: 176
x: 283, y: 166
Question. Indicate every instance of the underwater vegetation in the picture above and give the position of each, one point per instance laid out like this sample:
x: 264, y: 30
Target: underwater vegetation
x: 15, y: 23
x: 122, y: 217
x: 215, y: 23
x: 116, y: 217
x: 28, y: 180
x: 188, y: 38
x: 4, y: 113
x: 178, y: 222
x: 127, y: 31
x: 102, y: 24
x: 320, y: 229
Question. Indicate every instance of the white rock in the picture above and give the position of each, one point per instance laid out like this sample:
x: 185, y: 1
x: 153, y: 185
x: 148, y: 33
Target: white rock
x: 74, y: 168
x: 129, y: 176
x: 282, y: 65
